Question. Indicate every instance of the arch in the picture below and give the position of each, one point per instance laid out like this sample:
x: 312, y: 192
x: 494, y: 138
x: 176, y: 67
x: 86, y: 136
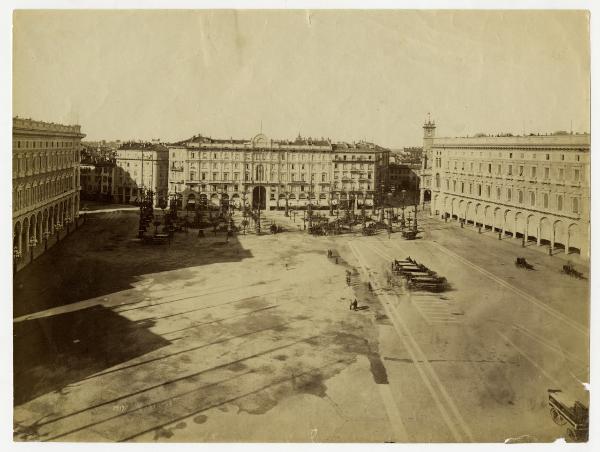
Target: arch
x: 559, y: 234
x: 38, y: 226
x: 17, y: 233
x: 259, y: 197
x: 214, y: 199
x: 532, y: 227
x: 478, y: 215
x: 520, y: 225
x: 545, y: 232
x: 498, y: 219
x: 574, y: 239
x: 461, y: 209
x: 489, y: 217
x: 469, y: 212
x: 25, y: 236
x: 508, y: 226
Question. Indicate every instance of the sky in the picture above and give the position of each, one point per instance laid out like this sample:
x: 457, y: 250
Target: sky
x: 345, y: 75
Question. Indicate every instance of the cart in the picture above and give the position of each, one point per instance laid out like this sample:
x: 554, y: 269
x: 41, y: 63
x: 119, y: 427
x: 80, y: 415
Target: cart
x: 573, y: 414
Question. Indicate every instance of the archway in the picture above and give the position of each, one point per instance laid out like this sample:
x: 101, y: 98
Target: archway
x: 560, y: 235
x: 574, y: 241
x: 190, y: 202
x: 426, y: 195
x: 17, y: 237
x: 259, y: 198
x: 545, y: 237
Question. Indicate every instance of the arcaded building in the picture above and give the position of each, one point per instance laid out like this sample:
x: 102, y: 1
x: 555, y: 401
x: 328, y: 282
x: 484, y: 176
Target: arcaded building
x: 45, y: 180
x: 534, y: 188
x: 266, y: 173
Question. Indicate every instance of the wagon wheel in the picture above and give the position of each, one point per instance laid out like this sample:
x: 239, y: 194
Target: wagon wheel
x: 571, y: 435
x: 557, y: 417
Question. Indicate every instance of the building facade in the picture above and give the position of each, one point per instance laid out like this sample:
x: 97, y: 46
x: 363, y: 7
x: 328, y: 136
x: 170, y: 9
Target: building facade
x: 139, y: 167
x: 535, y: 188
x: 96, y: 181
x: 45, y: 180
x: 267, y: 174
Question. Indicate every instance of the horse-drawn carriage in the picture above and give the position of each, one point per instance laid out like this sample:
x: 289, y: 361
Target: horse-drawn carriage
x: 521, y: 262
x: 418, y: 276
x: 573, y: 414
x: 568, y: 269
x: 409, y: 234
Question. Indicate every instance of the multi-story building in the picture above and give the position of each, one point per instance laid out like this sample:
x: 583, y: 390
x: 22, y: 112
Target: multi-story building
x: 404, y: 176
x: 532, y: 188
x: 140, y: 167
x: 96, y: 180
x: 266, y: 173
x: 45, y: 181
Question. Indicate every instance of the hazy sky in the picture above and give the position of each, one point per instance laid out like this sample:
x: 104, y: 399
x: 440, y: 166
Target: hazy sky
x: 343, y: 75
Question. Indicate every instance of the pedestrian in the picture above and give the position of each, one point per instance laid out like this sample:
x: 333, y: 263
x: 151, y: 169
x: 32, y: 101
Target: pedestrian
x: 355, y: 305
x: 370, y: 286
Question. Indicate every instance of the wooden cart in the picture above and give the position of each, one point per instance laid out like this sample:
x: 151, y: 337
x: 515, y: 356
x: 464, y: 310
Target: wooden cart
x: 572, y: 413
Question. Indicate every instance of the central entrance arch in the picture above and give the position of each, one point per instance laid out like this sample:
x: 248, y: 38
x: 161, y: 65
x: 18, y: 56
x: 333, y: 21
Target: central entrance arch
x: 259, y: 198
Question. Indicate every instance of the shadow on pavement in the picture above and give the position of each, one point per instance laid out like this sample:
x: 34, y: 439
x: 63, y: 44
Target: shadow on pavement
x: 104, y: 257
x: 52, y: 352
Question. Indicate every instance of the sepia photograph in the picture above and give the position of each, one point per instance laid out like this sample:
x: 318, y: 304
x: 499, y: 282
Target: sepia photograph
x: 300, y: 226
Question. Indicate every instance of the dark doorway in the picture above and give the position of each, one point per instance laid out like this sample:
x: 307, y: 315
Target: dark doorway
x: 426, y: 196
x: 259, y: 198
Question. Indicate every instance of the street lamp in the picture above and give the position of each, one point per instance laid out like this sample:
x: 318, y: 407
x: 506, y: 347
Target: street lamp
x: 32, y: 244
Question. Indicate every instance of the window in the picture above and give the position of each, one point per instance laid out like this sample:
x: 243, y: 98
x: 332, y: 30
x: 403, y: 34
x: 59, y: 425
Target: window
x: 576, y: 175
x: 498, y: 193
x: 510, y: 169
x: 545, y: 200
x: 547, y: 156
x: 520, y: 170
x: 478, y: 189
x: 508, y: 194
x: 489, y: 168
x: 546, y: 173
x: 575, y: 205
x: 488, y: 191
x: 462, y: 187
x: 559, y: 202
x: 225, y: 176
x: 192, y: 175
x: 193, y: 155
x: 499, y: 169
x: 454, y: 186
x: 520, y: 195
x: 561, y: 174
x: 533, y: 171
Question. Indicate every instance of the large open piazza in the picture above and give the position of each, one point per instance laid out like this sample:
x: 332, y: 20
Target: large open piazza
x: 239, y: 339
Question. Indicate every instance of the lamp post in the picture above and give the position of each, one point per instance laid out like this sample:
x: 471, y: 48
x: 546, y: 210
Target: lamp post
x: 32, y: 244
x: 16, y: 257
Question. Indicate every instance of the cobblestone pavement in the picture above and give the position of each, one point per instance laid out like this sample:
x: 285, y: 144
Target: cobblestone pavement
x: 252, y: 339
